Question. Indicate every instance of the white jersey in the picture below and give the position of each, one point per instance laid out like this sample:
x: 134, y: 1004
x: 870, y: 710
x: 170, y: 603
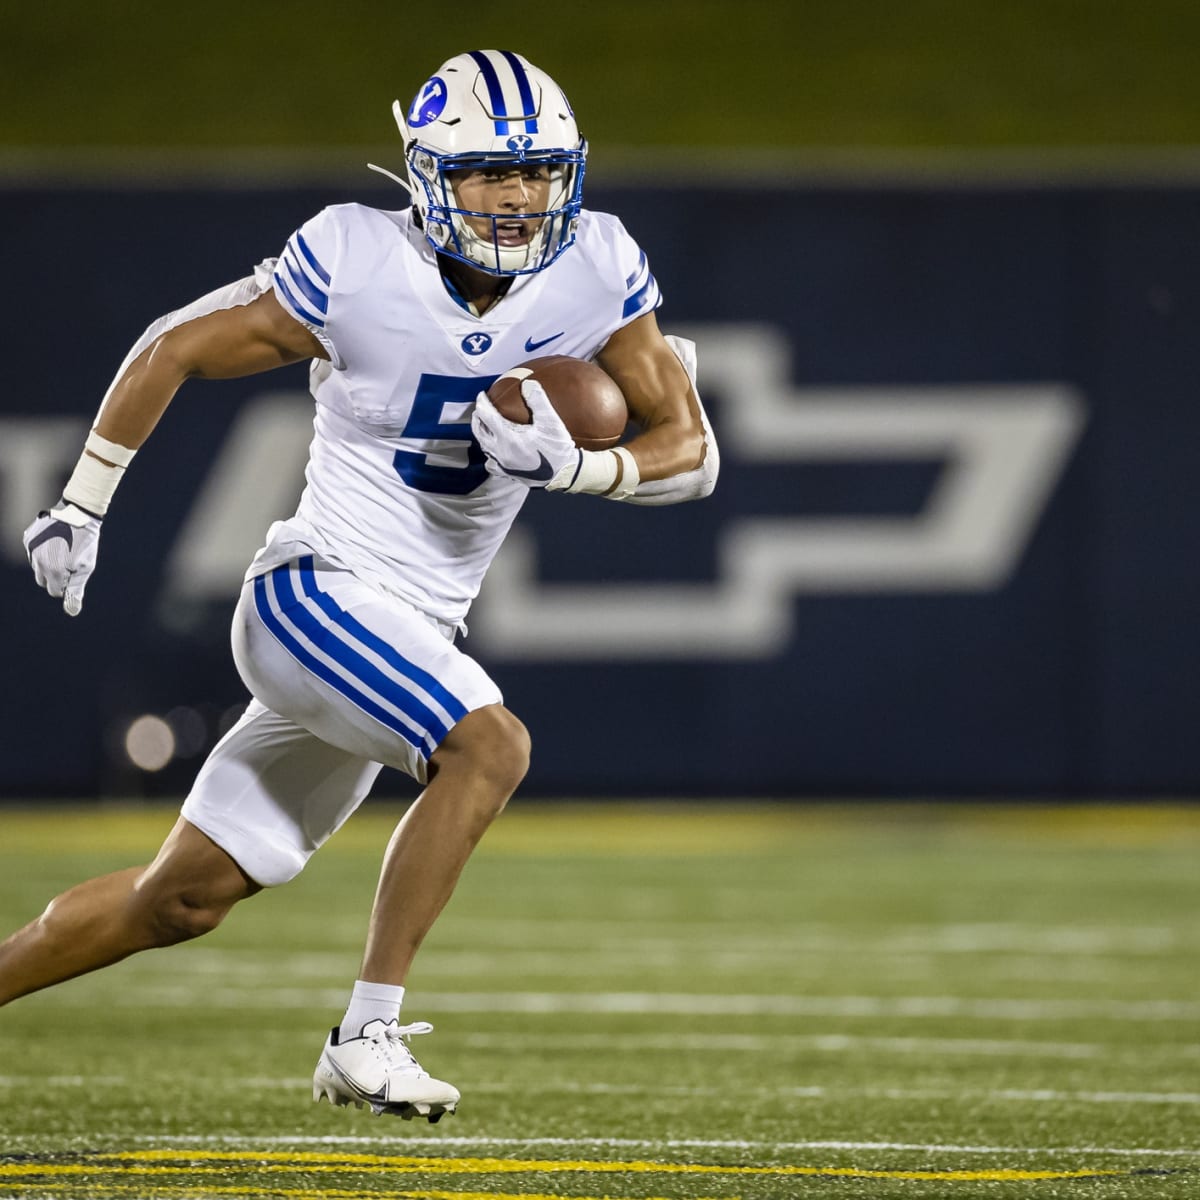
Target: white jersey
x: 396, y: 488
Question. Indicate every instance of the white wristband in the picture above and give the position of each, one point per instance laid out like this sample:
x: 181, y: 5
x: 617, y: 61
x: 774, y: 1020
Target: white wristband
x: 93, y: 482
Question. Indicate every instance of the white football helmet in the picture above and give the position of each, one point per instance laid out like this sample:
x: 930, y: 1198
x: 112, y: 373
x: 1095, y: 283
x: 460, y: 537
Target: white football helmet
x: 490, y: 108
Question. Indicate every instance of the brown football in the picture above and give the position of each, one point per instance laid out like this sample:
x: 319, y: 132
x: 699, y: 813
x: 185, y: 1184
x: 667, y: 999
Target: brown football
x: 584, y: 396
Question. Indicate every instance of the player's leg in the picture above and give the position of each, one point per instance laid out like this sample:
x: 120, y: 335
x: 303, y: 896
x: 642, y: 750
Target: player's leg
x: 372, y: 675
x: 266, y: 797
x: 185, y: 892
x: 472, y: 775
x: 368, y: 673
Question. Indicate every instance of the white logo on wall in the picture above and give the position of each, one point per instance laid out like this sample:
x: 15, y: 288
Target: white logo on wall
x: 1005, y: 448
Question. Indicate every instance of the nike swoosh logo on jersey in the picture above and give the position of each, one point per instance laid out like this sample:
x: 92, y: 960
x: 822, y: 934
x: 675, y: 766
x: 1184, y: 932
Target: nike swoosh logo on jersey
x: 531, y: 345
x: 543, y: 471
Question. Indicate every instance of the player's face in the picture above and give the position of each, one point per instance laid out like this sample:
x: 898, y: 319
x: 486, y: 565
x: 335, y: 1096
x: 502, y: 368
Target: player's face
x: 507, y: 192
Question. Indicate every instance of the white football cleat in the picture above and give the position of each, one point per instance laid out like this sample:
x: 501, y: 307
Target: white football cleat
x: 378, y: 1068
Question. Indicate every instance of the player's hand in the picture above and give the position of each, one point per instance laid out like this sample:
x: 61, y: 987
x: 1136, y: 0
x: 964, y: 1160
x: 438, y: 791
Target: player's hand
x: 61, y: 547
x: 534, y: 453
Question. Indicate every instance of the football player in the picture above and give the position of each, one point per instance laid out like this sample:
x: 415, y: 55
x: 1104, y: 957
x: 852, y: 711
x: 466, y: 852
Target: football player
x: 345, y: 629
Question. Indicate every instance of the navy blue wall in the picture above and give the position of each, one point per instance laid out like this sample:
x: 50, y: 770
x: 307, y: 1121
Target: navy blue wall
x: 1057, y: 658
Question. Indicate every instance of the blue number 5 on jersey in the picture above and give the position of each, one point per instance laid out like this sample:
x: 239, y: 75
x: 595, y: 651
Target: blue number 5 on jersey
x: 427, y: 422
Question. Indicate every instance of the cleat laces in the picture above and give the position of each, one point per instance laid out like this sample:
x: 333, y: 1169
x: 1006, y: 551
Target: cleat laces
x: 392, y: 1043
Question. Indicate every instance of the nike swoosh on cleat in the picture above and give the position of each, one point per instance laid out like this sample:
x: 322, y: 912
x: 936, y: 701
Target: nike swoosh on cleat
x: 542, y: 471
x: 531, y: 345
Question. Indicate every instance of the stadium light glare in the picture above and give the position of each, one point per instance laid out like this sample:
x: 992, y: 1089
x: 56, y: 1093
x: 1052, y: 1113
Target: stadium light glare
x: 149, y: 743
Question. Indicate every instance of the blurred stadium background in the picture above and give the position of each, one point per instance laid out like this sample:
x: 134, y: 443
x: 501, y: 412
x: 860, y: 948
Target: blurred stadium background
x: 942, y: 261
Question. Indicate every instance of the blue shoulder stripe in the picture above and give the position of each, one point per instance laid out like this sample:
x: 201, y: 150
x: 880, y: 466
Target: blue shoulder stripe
x: 646, y: 297
x: 295, y: 304
x: 322, y: 274
x: 637, y: 271
x: 318, y: 298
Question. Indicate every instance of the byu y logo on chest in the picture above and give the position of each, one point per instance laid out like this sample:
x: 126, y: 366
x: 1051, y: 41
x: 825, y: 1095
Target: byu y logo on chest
x: 477, y: 343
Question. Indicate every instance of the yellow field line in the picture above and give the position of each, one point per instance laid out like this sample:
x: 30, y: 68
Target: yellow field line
x: 170, y: 1162
x: 310, y: 1193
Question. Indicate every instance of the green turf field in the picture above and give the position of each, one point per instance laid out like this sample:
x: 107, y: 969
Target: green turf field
x: 709, y: 1002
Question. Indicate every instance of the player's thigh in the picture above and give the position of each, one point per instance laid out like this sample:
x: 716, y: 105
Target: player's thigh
x: 271, y: 793
x: 362, y: 671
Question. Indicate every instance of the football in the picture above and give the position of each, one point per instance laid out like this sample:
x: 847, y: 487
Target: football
x: 584, y: 396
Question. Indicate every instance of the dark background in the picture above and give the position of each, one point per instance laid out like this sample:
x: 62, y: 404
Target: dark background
x: 1070, y: 675
x: 928, y: 196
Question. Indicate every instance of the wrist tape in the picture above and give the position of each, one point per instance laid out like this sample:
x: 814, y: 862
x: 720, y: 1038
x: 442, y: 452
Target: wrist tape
x: 596, y: 474
x: 93, y: 482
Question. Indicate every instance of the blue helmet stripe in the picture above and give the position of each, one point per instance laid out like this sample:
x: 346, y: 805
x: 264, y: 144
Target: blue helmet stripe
x: 495, y: 90
x: 528, y: 107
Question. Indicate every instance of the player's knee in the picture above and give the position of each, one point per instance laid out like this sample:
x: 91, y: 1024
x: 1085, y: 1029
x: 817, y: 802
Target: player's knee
x: 491, y: 742
x: 180, y: 918
x: 508, y: 750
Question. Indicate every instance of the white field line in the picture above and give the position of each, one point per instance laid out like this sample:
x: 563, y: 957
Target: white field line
x: 1039, y: 1095
x: 591, y: 965
x: 390, y: 1142
x: 750, y: 933
x: 658, y: 1003
x: 689, y: 1004
x: 834, y: 1043
x: 1033, y: 1095
x: 685, y: 942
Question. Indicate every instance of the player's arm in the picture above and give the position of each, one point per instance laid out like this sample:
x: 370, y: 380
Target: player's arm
x: 675, y: 452
x: 225, y: 344
x: 244, y: 339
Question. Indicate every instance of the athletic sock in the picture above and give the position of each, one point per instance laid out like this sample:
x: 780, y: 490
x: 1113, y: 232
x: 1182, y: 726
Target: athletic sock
x: 371, y: 1002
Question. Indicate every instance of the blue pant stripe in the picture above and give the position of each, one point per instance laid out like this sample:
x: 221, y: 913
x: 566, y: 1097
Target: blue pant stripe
x: 363, y: 672
x: 321, y: 671
x: 436, y: 690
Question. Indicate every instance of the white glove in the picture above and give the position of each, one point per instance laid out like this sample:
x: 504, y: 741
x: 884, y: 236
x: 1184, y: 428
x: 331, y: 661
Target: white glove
x: 533, y: 454
x: 61, y: 546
